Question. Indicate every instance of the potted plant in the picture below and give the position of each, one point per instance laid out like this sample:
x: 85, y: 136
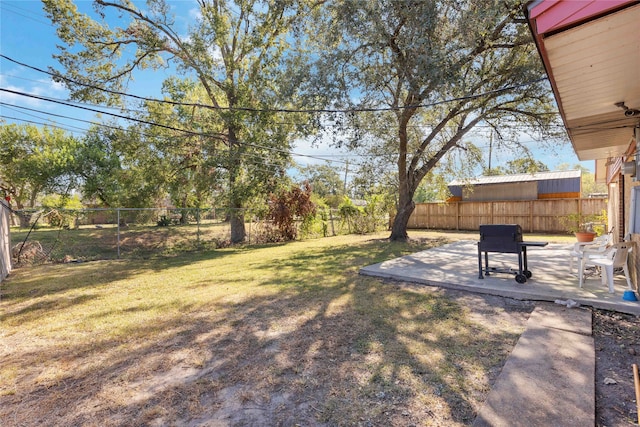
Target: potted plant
x: 585, y: 226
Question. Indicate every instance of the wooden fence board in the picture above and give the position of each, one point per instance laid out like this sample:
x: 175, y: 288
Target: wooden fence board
x: 534, y: 216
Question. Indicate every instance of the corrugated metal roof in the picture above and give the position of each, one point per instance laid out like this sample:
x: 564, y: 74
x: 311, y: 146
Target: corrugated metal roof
x: 521, y: 177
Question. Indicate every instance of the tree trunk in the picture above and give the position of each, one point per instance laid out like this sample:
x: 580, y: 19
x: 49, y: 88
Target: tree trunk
x: 236, y: 218
x: 25, y: 219
x: 184, y: 214
x: 236, y: 214
x: 405, y: 188
x: 399, y: 227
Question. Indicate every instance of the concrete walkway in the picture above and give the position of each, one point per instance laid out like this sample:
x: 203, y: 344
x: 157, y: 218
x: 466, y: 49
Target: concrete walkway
x: 549, y: 379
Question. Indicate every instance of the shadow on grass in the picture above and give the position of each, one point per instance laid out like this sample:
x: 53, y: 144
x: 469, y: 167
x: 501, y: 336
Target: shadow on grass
x: 129, y: 242
x: 309, y: 343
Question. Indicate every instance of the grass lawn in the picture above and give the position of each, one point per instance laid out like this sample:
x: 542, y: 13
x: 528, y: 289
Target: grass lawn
x: 263, y: 335
x: 89, y: 243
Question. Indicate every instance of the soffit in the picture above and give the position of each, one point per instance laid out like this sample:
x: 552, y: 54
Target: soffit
x: 593, y: 66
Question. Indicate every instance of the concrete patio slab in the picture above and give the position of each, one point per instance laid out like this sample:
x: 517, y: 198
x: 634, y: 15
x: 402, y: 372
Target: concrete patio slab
x: 549, y: 378
x: 455, y: 266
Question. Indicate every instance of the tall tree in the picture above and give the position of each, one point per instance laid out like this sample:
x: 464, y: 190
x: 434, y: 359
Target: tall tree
x: 118, y: 168
x: 190, y: 163
x: 35, y: 161
x: 324, y: 180
x: 439, y: 68
x: 589, y: 184
x: 526, y: 165
x: 234, y: 49
x: 516, y: 166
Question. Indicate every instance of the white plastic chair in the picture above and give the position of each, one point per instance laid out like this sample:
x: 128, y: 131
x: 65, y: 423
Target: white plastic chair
x: 614, y: 257
x: 595, y: 247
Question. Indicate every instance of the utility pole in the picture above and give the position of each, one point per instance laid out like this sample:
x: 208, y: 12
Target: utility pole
x: 346, y: 171
x: 490, y: 147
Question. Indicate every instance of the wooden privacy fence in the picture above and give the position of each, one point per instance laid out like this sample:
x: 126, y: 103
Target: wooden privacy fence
x: 534, y: 216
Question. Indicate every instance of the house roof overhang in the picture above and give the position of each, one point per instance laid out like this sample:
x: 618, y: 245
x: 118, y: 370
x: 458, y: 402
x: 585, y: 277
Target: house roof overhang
x: 591, y: 52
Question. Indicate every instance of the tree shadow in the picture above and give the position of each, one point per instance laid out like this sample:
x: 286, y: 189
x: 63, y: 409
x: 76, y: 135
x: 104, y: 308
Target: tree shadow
x: 314, y: 344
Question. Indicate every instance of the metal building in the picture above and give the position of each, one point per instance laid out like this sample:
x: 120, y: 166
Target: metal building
x: 527, y: 186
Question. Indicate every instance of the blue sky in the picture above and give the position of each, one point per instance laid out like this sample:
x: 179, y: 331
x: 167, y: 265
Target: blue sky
x: 27, y: 36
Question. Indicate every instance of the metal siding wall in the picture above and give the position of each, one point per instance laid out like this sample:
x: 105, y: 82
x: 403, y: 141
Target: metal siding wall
x: 507, y: 191
x: 559, y: 186
x: 455, y: 190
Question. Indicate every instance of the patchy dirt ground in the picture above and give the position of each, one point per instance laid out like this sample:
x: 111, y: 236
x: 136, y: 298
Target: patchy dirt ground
x: 270, y: 364
x: 314, y: 377
x: 617, y: 344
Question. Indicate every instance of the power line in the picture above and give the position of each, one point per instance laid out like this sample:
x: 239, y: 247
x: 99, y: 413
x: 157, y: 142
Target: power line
x: 13, y: 107
x: 4, y: 5
x: 281, y: 110
x: 272, y: 149
x: 325, y: 157
x: 68, y: 129
x: 120, y: 116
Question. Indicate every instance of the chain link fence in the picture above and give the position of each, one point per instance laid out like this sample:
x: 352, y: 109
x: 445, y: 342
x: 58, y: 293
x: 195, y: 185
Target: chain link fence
x: 59, y: 235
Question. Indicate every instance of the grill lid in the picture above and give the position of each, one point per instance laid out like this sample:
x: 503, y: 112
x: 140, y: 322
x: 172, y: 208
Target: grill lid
x: 500, y: 238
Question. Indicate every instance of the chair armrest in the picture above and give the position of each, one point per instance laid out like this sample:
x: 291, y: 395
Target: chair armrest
x: 586, y: 246
x: 605, y: 253
x: 595, y: 249
x: 579, y: 246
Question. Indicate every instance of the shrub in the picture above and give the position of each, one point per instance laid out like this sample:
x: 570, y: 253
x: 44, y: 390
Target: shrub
x: 361, y: 220
x: 286, y: 206
x: 164, y: 221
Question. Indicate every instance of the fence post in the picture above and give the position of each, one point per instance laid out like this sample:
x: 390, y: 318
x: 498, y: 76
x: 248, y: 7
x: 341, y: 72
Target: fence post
x: 333, y: 230
x: 118, y: 216
x: 531, y: 216
x: 198, y: 221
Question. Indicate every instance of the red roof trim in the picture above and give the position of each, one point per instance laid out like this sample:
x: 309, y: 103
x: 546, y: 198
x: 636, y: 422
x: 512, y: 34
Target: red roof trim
x: 556, y: 15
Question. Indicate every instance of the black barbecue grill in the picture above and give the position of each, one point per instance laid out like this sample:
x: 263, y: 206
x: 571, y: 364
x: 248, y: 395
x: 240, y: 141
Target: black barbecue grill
x: 504, y: 238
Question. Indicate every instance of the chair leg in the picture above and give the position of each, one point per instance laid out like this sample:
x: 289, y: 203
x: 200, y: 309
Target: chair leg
x: 570, y: 264
x: 625, y: 267
x: 609, y: 272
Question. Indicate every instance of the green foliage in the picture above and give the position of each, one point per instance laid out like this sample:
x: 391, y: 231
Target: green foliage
x: 58, y: 201
x: 580, y: 222
x: 241, y: 56
x: 518, y: 166
x: 373, y: 216
x: 400, y: 54
x: 590, y: 186
x: 118, y: 168
x: 35, y: 161
x: 65, y: 202
x: 62, y: 210
x: 324, y: 180
x: 433, y: 188
x: 349, y: 212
